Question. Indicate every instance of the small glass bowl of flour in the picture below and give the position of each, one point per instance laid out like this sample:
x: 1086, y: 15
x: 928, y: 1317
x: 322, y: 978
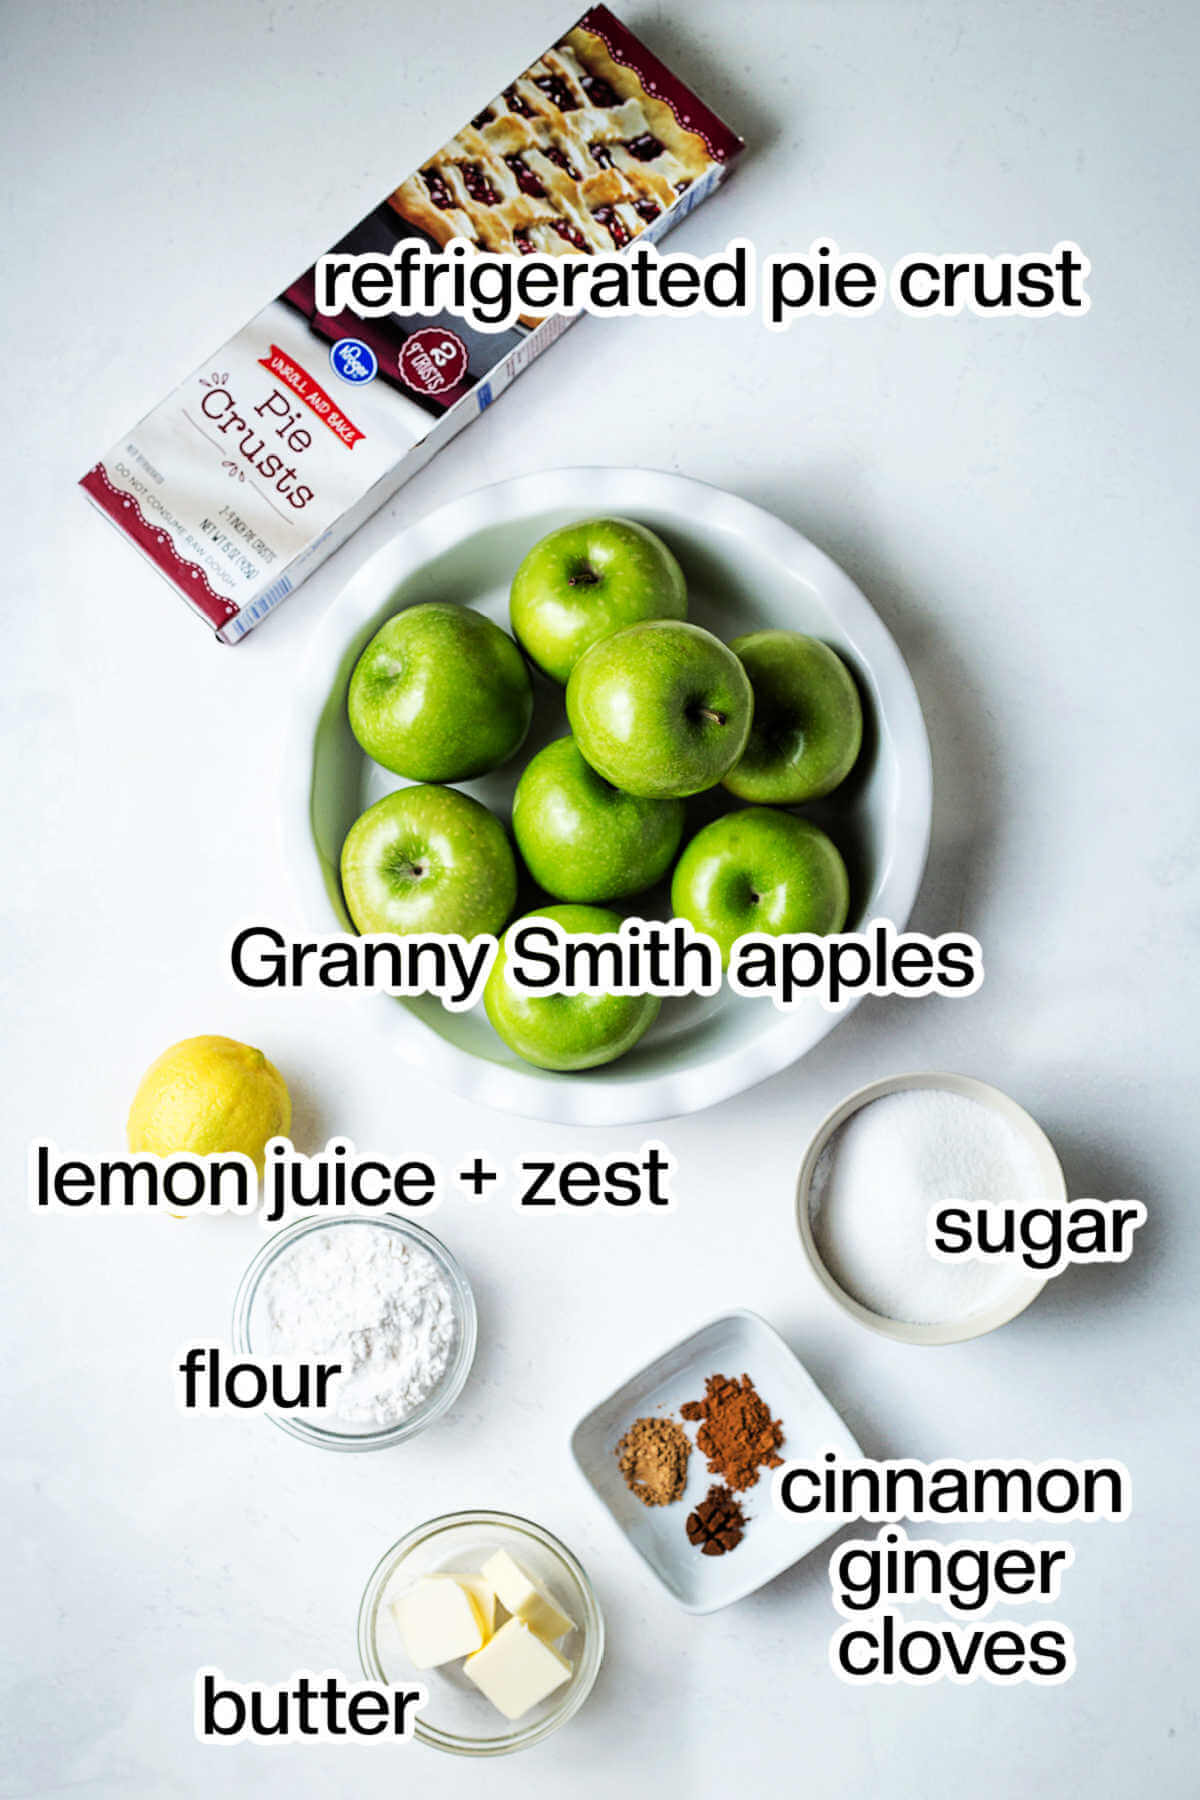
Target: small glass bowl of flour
x: 870, y: 1177
x: 380, y: 1296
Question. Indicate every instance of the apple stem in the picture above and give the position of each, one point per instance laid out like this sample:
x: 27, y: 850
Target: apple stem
x: 714, y: 718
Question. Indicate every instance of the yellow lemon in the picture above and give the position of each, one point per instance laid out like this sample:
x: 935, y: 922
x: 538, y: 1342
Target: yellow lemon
x: 209, y: 1094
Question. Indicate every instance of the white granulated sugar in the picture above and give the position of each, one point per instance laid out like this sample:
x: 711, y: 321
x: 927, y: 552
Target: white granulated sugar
x: 874, y: 1185
x: 358, y: 1295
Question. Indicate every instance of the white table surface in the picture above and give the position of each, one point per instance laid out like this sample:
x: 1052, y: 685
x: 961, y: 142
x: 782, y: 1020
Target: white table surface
x: 1016, y: 498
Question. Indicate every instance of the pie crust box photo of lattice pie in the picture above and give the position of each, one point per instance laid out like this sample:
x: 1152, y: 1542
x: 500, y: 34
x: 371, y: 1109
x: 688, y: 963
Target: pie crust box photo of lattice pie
x: 282, y: 443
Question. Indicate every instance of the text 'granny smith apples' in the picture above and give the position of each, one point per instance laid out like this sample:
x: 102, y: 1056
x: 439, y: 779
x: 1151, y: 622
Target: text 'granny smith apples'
x: 662, y: 710
x: 582, y: 838
x: 440, y: 694
x: 428, y: 859
x: 761, y: 870
x: 585, y: 581
x: 567, y: 1031
x: 808, y: 726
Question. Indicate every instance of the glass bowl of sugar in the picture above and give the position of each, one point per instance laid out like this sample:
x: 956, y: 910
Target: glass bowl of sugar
x: 886, y: 1159
x: 379, y: 1297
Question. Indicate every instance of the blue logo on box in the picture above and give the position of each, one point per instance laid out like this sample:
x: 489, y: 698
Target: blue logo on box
x: 353, y: 360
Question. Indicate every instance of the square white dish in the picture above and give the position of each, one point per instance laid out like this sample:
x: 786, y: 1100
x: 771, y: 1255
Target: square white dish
x: 734, y: 1344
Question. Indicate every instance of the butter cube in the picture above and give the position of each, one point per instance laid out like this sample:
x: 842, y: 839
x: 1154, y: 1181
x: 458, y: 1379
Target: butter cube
x: 516, y: 1669
x: 525, y: 1597
x: 483, y: 1594
x: 439, y: 1620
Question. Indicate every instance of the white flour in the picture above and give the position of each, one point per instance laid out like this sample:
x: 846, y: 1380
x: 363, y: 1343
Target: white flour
x: 874, y: 1185
x: 357, y: 1295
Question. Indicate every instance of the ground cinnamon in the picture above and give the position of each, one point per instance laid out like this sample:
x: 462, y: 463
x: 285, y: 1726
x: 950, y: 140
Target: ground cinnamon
x: 737, y: 1433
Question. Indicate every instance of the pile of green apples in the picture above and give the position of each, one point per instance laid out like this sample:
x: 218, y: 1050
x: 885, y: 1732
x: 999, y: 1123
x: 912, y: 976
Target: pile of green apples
x: 659, y: 710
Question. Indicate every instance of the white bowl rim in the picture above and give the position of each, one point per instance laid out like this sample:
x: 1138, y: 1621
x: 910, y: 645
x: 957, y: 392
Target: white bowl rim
x: 1025, y: 1289
x: 584, y: 1099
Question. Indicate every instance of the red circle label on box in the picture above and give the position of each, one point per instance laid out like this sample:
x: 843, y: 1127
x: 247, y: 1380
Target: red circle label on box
x: 433, y: 360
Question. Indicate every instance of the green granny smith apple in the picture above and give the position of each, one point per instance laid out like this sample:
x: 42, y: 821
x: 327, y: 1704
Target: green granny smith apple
x: 582, y: 838
x: 585, y: 581
x: 808, y: 726
x: 662, y: 709
x: 428, y: 859
x: 440, y: 694
x: 759, y: 869
x: 567, y: 1031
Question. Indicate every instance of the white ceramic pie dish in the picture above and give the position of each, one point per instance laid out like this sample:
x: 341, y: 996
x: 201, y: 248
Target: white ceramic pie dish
x: 746, y: 569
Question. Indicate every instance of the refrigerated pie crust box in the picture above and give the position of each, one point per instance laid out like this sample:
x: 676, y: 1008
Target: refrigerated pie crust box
x: 267, y: 458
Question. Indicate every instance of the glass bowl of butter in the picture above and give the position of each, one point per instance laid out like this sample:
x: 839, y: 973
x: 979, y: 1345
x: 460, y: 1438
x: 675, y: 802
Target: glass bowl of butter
x: 495, y: 1618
